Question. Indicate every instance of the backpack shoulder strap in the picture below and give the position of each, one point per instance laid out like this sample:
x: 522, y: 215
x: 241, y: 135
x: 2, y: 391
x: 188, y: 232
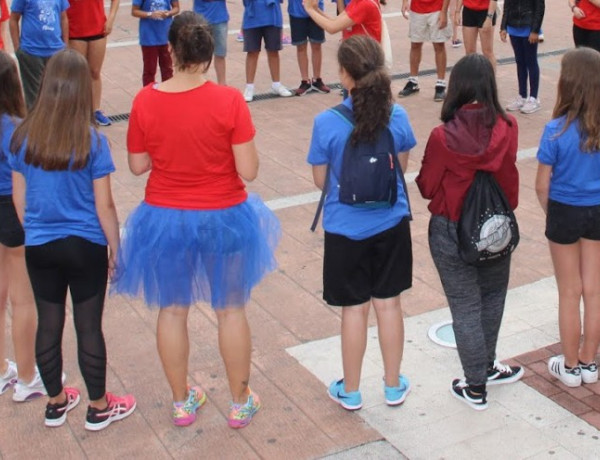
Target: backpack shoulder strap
x: 344, y: 112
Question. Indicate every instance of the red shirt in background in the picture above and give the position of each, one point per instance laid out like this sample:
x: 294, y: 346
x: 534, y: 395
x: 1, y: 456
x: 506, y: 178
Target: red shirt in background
x: 4, y: 16
x: 188, y: 136
x: 86, y: 18
x: 591, y: 21
x: 366, y: 16
x: 426, y: 6
x: 477, y: 5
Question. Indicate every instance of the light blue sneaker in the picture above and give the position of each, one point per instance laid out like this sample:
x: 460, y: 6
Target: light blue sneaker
x: 394, y: 396
x: 102, y: 119
x: 349, y: 401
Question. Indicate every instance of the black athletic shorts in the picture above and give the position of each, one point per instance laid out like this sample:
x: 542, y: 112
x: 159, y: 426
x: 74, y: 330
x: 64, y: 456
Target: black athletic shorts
x: 380, y: 266
x: 475, y: 18
x: 305, y: 29
x: 255, y: 35
x: 11, y: 231
x: 565, y: 223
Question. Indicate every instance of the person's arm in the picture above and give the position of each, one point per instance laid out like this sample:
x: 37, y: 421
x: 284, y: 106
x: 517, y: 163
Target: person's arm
x: 492, y: 7
x: 542, y: 184
x: 328, y: 24
x: 443, y: 19
x: 405, y: 8
x: 15, y: 32
x: 112, y: 14
x: 596, y: 3
x: 432, y: 168
x: 403, y: 160
x: 341, y: 6
x: 64, y: 27
x: 139, y: 13
x: 139, y: 163
x: 246, y: 160
x: 458, y: 13
x: 174, y: 8
x: 107, y: 215
x: 319, y: 173
x: 18, y: 194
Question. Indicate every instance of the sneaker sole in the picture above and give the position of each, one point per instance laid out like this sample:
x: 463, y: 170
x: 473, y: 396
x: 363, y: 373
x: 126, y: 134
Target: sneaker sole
x: 409, y: 94
x: 236, y: 424
x: 514, y: 378
x: 29, y: 397
x: 397, y: 402
x: 345, y: 406
x: 469, y: 403
x: 116, y: 418
x: 188, y: 421
x: 588, y: 380
x: 304, y: 93
x: 320, y: 91
x: 527, y: 112
x: 8, y: 386
x: 518, y: 109
x: 53, y: 423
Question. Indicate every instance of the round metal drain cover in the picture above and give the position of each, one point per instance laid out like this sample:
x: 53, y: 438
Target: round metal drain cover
x: 443, y: 334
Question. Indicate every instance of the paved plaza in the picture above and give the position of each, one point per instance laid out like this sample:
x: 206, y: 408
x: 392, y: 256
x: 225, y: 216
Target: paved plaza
x: 296, y: 344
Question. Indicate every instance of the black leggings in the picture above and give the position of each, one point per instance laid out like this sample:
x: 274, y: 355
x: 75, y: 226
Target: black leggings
x: 81, y: 266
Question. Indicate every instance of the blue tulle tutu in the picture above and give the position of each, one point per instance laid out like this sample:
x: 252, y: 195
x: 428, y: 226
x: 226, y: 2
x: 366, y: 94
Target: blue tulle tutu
x: 181, y: 257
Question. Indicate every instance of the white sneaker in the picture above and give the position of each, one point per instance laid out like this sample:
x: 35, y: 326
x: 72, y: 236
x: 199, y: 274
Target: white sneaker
x: 248, y: 94
x: 569, y: 377
x: 28, y: 391
x: 589, y: 372
x: 9, y: 379
x: 515, y: 104
x: 531, y: 105
x: 282, y: 91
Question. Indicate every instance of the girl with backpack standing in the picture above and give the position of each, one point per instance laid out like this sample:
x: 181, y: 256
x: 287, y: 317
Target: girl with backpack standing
x: 568, y: 188
x: 476, y: 135
x: 67, y: 231
x: 368, y: 252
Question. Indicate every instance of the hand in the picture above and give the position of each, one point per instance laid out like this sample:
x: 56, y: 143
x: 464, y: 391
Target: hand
x: 405, y: 9
x: 442, y: 21
x: 309, y: 4
x: 108, y: 26
x: 503, y: 35
x: 534, y: 38
x: 487, y: 24
x: 112, y: 264
x: 578, y: 13
x: 163, y: 14
x: 457, y: 18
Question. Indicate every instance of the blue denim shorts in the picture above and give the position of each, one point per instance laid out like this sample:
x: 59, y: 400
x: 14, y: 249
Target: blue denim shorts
x: 219, y: 34
x: 566, y: 223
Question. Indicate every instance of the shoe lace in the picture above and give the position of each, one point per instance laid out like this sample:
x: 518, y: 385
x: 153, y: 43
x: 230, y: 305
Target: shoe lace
x: 502, y: 368
x: 242, y: 411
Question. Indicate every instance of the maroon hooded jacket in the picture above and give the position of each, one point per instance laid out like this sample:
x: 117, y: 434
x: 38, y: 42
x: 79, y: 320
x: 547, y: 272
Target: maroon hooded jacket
x: 460, y: 147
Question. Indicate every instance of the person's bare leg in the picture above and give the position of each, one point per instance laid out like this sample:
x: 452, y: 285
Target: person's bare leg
x: 440, y: 60
x: 251, y: 65
x: 220, y: 69
x: 487, y: 44
x: 302, y: 57
x: 470, y: 35
x: 3, y: 305
x: 174, y: 348
x: 236, y: 348
x: 590, y: 275
x: 354, y: 343
x: 316, y: 56
x: 416, y: 51
x: 390, y: 327
x: 273, y: 61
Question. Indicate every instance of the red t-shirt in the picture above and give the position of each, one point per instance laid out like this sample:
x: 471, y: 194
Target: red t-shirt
x: 426, y: 6
x: 188, y: 136
x: 477, y: 5
x: 366, y: 17
x: 86, y: 18
x: 4, y: 16
x: 591, y: 21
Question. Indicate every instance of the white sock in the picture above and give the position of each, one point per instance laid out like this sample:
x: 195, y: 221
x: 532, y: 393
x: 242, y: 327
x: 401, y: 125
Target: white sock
x: 250, y: 86
x: 276, y: 84
x: 440, y: 83
x: 414, y: 79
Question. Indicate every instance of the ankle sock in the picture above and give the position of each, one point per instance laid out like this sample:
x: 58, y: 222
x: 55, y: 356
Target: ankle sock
x: 440, y: 83
x: 276, y: 84
x: 415, y: 80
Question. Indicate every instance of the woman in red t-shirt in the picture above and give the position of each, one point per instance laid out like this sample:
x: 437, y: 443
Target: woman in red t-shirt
x: 586, y: 23
x: 198, y: 236
x: 4, y: 16
x: 360, y: 17
x: 88, y: 31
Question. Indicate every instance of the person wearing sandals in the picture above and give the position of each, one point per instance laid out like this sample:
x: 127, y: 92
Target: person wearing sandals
x: 568, y: 188
x: 197, y: 236
x: 67, y: 232
x: 368, y: 251
x: 476, y: 135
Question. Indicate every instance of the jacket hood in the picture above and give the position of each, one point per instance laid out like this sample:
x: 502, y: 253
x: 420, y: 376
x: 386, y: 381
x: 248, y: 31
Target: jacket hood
x: 476, y: 145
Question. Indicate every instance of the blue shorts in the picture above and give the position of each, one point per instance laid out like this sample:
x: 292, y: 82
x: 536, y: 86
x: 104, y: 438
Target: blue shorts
x: 304, y: 29
x: 219, y: 34
x: 254, y: 36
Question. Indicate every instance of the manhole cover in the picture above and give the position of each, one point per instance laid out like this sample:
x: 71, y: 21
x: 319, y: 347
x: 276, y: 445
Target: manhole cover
x: 442, y: 334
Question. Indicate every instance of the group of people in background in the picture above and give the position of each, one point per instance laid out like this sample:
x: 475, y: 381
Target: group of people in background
x: 198, y: 236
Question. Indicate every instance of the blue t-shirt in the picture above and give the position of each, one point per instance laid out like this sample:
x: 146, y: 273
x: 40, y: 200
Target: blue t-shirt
x: 575, y: 174
x: 296, y: 9
x: 41, y: 34
x: 214, y: 11
x: 8, y: 125
x: 522, y: 32
x: 62, y: 203
x: 261, y: 13
x: 330, y: 133
x: 154, y: 32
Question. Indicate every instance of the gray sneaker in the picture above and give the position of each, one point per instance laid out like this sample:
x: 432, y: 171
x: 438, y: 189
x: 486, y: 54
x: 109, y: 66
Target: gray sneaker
x: 532, y: 105
x: 410, y: 88
x: 516, y: 104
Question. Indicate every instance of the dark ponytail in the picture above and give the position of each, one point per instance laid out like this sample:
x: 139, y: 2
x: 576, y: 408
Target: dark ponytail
x: 362, y: 58
x: 191, y: 41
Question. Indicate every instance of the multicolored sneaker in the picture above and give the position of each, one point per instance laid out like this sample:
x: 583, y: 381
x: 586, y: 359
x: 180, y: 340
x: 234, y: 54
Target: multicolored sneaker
x: 499, y: 373
x: 9, y: 378
x: 349, y: 401
x: 394, y: 396
x: 184, y: 413
x: 286, y: 39
x: 240, y: 415
x: 304, y: 88
x: 117, y: 409
x: 56, y: 414
x: 27, y: 391
x: 319, y: 86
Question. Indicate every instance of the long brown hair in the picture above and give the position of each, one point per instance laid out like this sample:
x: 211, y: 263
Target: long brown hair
x: 11, y: 95
x: 578, y: 95
x: 57, y: 129
x: 362, y: 58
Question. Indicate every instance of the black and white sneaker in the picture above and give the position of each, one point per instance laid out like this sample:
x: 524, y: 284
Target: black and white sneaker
x: 463, y: 392
x: 499, y: 373
x: 569, y: 376
x: 56, y: 414
x: 411, y: 87
x: 440, y: 93
x: 589, y: 372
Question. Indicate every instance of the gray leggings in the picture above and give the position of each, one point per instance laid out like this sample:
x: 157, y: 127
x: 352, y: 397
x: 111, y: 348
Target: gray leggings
x: 476, y: 297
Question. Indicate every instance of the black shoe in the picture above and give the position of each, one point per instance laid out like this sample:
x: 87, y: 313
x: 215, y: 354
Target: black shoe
x: 56, y: 414
x: 499, y: 373
x: 463, y: 392
x: 304, y: 88
x: 319, y: 86
x: 410, y: 88
x: 440, y: 93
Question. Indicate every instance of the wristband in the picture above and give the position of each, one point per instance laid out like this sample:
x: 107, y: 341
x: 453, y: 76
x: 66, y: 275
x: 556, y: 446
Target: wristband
x: 149, y: 14
x: 490, y: 15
